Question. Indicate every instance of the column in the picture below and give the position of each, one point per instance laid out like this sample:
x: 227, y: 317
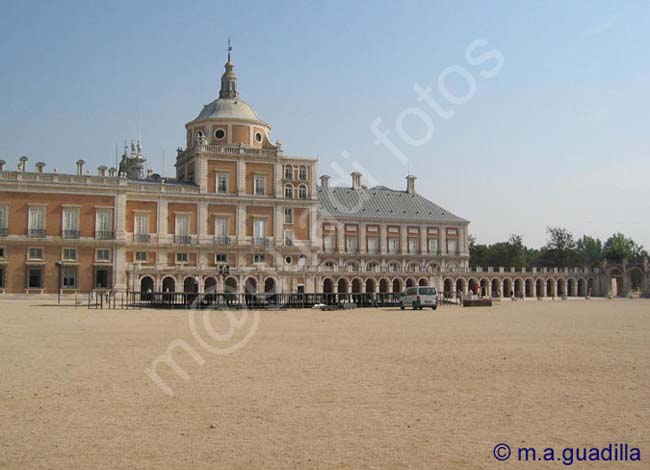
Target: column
x: 423, y: 241
x: 241, y: 177
x: 443, y: 241
x: 202, y: 222
x: 340, y: 237
x: 362, y: 239
x: 403, y: 240
x: 162, y: 219
x: 383, y: 247
x: 241, y: 223
x: 120, y: 216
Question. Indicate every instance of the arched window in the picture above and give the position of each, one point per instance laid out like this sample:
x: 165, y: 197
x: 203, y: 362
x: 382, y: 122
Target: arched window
x: 288, y: 172
x: 413, y: 268
x: 352, y: 266
x: 302, y: 173
x: 199, y: 135
x: 302, y: 192
x: 288, y: 191
x: 372, y: 267
x: 329, y: 266
x: 393, y: 267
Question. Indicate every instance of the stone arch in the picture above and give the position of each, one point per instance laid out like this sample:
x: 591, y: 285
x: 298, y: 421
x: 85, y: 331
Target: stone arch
x: 519, y: 287
x: 529, y: 287
x: 398, y: 285
x: 423, y: 282
x: 561, y: 287
x: 372, y: 266
x: 484, y: 286
x: 410, y: 282
x: 582, y: 287
x: 146, y: 284
x: 539, y: 288
x: 590, y: 286
x: 169, y: 284
x: 230, y: 285
x: 460, y: 285
x: 617, y: 282
x: 328, y: 285
x: 496, y: 287
x: 190, y: 285
x: 371, y: 286
x: 342, y: 286
x: 210, y: 285
x: 329, y: 265
x: 357, y: 286
x: 384, y: 285
x: 508, y: 290
x: 448, y: 286
x: 250, y: 285
x: 472, y: 286
x: 270, y: 285
x: 432, y: 267
x: 550, y: 287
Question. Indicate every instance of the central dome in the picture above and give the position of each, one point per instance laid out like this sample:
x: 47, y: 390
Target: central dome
x: 228, y: 108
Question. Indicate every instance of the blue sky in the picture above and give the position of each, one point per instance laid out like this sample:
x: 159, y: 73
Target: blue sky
x: 558, y: 137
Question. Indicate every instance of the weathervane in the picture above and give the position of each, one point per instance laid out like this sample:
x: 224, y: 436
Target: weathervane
x: 229, y: 49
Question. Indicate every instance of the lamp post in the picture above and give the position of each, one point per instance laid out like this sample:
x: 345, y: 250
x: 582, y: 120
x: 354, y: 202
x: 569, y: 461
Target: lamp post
x: 59, y: 265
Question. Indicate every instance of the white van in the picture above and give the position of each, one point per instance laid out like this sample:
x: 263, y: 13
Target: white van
x: 419, y: 297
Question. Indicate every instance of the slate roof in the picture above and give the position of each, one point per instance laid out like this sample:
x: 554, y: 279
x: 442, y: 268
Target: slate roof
x: 380, y: 202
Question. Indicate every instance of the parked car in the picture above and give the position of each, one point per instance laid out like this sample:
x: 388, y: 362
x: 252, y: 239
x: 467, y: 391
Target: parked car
x: 419, y: 297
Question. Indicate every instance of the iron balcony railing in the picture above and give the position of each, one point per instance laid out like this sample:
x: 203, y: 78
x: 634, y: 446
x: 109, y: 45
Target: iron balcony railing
x: 183, y: 239
x: 36, y: 233
x: 104, y: 235
x: 260, y: 241
x: 141, y: 238
x: 221, y: 240
x: 71, y: 234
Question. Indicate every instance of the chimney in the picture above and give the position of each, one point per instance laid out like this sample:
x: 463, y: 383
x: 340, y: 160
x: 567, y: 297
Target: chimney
x: 325, y: 181
x: 410, y: 184
x: 80, y: 167
x: 22, y: 165
x: 2, y: 165
x: 356, y: 180
x: 111, y: 171
x: 101, y: 170
x: 39, y: 167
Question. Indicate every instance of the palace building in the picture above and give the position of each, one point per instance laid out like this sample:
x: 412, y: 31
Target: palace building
x: 241, y: 216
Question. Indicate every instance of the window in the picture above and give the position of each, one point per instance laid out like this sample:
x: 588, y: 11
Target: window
x: 103, y: 254
x: 70, y: 254
x: 36, y: 222
x: 452, y: 246
x: 288, y: 191
x: 2, y: 277
x: 288, y: 215
x: 220, y: 258
x: 288, y: 172
x: 141, y: 224
x: 222, y: 183
x: 258, y: 259
x: 259, y: 185
x: 3, y: 221
x: 288, y: 238
x: 102, y: 278
x: 219, y: 134
x: 181, y: 257
x: 393, y: 245
x: 258, y: 137
x: 351, y: 245
x: 2, y: 252
x: 393, y: 267
x: 104, y: 224
x: 70, y: 222
x: 69, y: 277
x: 35, y: 254
x: 414, y: 246
x: 221, y: 227
x: 302, y: 173
x: 141, y: 256
x: 182, y: 224
x: 260, y: 228
x: 433, y: 245
x: 372, y: 267
x: 302, y: 192
x: 373, y: 245
x: 328, y: 243
x: 199, y: 135
x: 34, y: 278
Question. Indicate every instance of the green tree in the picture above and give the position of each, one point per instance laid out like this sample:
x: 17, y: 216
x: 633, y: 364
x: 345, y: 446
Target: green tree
x: 560, y: 249
x: 618, y: 246
x: 590, y: 250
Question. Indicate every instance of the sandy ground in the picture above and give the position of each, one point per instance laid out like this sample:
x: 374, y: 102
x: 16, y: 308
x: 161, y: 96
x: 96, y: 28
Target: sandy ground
x: 354, y: 389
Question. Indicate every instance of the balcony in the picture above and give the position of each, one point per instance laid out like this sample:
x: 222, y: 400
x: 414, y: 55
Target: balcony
x: 183, y: 239
x: 221, y: 240
x: 36, y: 233
x: 70, y: 235
x: 141, y: 238
x: 260, y: 241
x: 373, y: 251
x: 4, y: 232
x: 104, y: 235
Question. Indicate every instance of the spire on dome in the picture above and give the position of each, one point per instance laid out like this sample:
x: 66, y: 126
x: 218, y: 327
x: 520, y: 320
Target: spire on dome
x: 229, y: 79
